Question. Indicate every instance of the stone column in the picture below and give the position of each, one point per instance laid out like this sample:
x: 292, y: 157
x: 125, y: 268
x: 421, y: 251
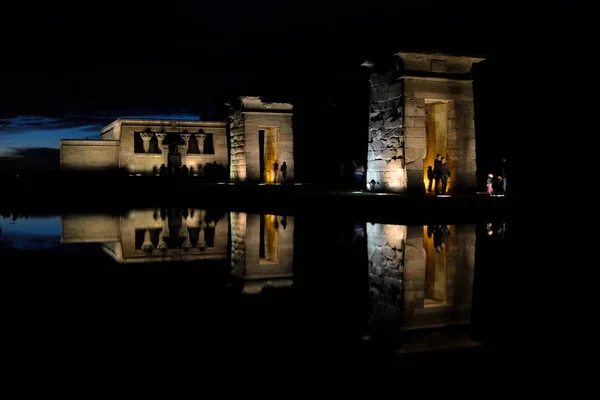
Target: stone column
x: 201, y: 243
x: 238, y: 243
x: 162, y: 245
x: 385, y: 250
x: 183, y: 231
x: 146, y: 136
x: 147, y: 245
x: 160, y: 136
x: 183, y: 150
x: 415, y: 263
x: 200, y: 139
x: 385, y: 156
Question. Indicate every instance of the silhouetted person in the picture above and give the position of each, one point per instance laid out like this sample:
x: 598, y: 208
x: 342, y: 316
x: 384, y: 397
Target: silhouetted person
x: 437, y: 171
x: 184, y: 171
x: 444, y: 174
x: 503, y: 175
x: 283, y: 172
x: 284, y: 221
x: 154, y: 171
x: 275, y: 169
x: 162, y: 170
x: 430, y: 176
x: 441, y: 234
x: 359, y: 171
x: 489, y: 184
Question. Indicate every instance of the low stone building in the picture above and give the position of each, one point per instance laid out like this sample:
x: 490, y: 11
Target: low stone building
x: 421, y: 105
x: 257, y: 136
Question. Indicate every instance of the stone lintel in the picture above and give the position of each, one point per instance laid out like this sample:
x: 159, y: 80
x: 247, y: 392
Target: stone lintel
x: 267, y: 112
x: 255, y: 103
x: 173, y: 123
x: 437, y: 62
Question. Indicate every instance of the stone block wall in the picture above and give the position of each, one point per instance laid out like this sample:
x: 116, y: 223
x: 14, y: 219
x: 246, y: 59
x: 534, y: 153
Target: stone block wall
x: 386, y: 246
x: 88, y: 154
x: 237, y: 172
x: 385, y: 154
x: 238, y: 233
x: 89, y: 228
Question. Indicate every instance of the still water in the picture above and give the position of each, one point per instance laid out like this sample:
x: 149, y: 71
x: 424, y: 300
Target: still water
x: 203, y: 282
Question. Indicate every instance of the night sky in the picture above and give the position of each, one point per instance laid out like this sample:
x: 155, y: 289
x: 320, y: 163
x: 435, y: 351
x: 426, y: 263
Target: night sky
x: 68, y: 71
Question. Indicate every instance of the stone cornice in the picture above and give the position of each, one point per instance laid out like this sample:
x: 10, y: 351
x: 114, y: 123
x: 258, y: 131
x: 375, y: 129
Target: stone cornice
x: 172, y: 123
x: 435, y: 78
x: 267, y: 112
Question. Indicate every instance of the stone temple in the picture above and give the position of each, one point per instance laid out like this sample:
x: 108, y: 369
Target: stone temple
x: 421, y: 105
x: 258, y: 135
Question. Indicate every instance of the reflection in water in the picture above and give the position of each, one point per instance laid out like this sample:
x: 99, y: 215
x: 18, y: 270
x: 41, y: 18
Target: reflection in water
x: 421, y: 283
x: 419, y: 278
x: 262, y: 250
x: 152, y: 235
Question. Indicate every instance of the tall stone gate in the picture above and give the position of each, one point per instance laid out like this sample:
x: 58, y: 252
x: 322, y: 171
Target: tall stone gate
x: 260, y: 135
x: 421, y: 105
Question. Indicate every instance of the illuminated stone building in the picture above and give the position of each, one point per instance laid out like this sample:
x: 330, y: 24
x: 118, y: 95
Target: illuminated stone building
x: 257, y: 135
x: 421, y: 105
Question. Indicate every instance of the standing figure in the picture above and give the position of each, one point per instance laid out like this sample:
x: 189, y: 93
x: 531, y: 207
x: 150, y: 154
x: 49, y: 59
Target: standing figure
x: 490, y: 184
x: 275, y: 169
x: 283, y: 172
x: 444, y: 174
x: 430, y: 176
x: 437, y: 171
x: 503, y: 175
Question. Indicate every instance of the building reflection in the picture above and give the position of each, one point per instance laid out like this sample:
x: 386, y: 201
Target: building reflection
x: 153, y: 235
x: 259, y: 246
x: 421, y: 283
x: 262, y: 250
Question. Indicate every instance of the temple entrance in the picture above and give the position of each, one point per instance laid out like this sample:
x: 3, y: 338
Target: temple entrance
x: 268, y: 142
x: 436, y: 127
x: 174, y: 159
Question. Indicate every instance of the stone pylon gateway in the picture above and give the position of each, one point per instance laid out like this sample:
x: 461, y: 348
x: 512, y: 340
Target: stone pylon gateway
x: 421, y: 105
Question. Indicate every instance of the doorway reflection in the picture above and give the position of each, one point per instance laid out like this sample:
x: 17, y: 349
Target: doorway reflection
x: 262, y: 250
x: 421, y: 283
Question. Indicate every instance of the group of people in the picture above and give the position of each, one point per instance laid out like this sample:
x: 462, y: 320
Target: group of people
x: 276, y: 169
x: 497, y: 185
x: 440, y: 172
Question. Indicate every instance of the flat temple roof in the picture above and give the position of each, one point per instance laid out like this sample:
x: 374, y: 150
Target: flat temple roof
x: 174, y: 123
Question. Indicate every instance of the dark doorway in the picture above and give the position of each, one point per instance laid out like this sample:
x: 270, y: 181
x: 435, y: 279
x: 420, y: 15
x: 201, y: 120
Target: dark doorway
x: 261, y: 147
x: 174, y: 158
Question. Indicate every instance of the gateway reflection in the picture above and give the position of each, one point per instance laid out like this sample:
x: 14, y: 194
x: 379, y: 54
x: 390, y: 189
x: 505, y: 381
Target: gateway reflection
x: 421, y: 283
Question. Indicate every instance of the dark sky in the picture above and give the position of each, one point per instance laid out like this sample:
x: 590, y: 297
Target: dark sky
x: 68, y: 70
